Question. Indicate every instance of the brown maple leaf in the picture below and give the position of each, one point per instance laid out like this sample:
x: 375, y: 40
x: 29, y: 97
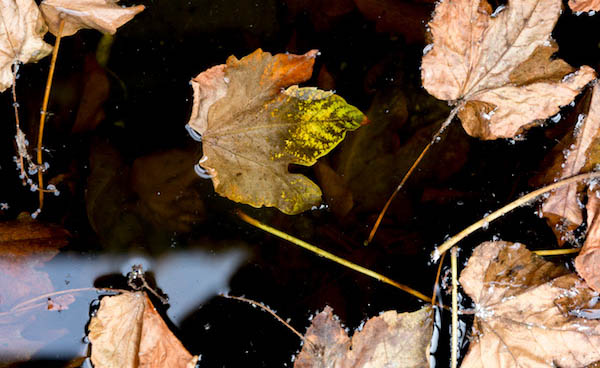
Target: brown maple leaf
x: 127, y: 332
x: 528, y: 312
x: 103, y: 15
x: 584, y: 5
x: 255, y: 122
x: 575, y: 154
x: 587, y: 262
x: 389, y: 340
x: 498, y: 65
x: 21, y: 37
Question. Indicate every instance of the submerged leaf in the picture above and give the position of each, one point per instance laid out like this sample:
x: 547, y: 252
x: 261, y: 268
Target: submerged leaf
x: 255, y: 122
x: 389, y: 340
x: 528, y: 312
x: 103, y: 15
x: 499, y: 65
x: 127, y: 332
x: 21, y: 37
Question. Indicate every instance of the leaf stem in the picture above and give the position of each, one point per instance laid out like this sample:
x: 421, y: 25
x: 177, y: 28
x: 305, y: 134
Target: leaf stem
x: 508, y: 208
x: 40, y: 161
x: 331, y: 256
x: 436, y: 136
x: 454, y: 348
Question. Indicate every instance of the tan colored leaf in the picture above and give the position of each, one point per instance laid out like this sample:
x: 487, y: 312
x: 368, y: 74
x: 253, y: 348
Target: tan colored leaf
x: 587, y: 262
x: 499, y: 65
x: 528, y: 312
x: 584, y: 5
x: 255, y: 122
x: 575, y: 154
x: 103, y: 15
x: 21, y: 37
x: 390, y: 340
x: 127, y: 332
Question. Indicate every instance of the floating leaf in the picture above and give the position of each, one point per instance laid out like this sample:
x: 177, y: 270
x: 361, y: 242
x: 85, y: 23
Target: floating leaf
x: 21, y: 37
x: 127, y: 332
x: 587, y: 262
x: 499, y: 65
x: 389, y: 340
x: 575, y: 154
x: 103, y: 15
x: 253, y: 128
x: 584, y: 5
x: 528, y: 312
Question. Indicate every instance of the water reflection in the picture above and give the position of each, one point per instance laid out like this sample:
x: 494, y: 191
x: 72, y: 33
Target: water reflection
x: 33, y: 329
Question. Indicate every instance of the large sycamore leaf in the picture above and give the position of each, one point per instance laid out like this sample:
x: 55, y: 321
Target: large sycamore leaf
x: 584, y: 5
x: 499, y: 65
x: 528, y: 312
x: 391, y: 340
x: 587, y: 262
x: 103, y: 15
x: 127, y: 332
x: 577, y: 153
x: 21, y: 37
x: 255, y: 122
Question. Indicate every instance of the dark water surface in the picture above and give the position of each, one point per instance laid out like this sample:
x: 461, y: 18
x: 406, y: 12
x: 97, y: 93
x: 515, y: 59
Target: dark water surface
x: 129, y: 194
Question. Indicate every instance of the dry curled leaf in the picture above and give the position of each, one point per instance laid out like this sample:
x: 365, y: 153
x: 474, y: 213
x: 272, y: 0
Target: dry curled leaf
x: 390, y: 340
x: 255, y: 122
x: 584, y: 5
x: 499, y: 65
x: 127, y: 332
x: 528, y: 312
x: 575, y: 154
x: 103, y: 15
x: 21, y: 37
x: 587, y: 262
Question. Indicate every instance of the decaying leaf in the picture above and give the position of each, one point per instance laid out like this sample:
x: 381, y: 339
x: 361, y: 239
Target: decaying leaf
x: 587, y: 262
x: 575, y: 154
x: 528, y: 312
x: 390, y: 340
x: 103, y: 15
x: 21, y: 37
x: 584, y: 5
x: 255, y: 122
x: 127, y: 332
x: 499, y: 65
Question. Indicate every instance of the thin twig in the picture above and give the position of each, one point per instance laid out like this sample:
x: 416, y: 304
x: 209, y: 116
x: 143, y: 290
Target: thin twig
x: 43, y: 112
x: 454, y: 348
x: 331, y: 256
x: 508, y: 208
x: 437, y: 280
x: 435, y: 138
x: 556, y: 252
x: 271, y: 312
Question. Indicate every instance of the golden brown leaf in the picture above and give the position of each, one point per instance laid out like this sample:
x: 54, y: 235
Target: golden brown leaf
x: 498, y: 64
x: 587, y: 262
x: 584, y: 5
x: 575, y: 154
x: 253, y: 128
x: 103, y: 15
x: 21, y: 37
x: 127, y: 332
x: 528, y: 312
x: 389, y: 340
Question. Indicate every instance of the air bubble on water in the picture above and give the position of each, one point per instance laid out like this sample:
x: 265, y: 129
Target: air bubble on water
x: 498, y: 11
x: 485, y: 225
x: 427, y: 49
x: 35, y: 214
x: 194, y: 134
x: 33, y: 187
x: 556, y: 118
